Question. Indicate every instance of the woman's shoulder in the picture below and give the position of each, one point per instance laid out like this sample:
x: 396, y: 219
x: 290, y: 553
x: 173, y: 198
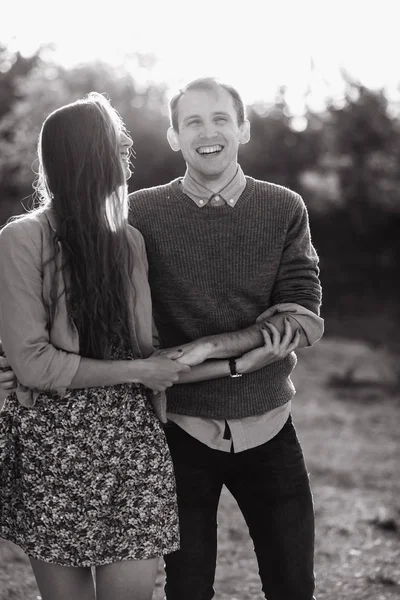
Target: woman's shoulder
x: 134, y: 235
x: 137, y: 244
x: 26, y: 224
x: 26, y: 230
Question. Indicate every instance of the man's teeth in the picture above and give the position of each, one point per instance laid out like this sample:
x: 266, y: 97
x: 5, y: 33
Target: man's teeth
x: 209, y: 149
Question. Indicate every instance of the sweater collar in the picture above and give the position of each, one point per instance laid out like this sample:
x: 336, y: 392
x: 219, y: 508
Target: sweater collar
x: 201, y: 195
x: 175, y: 186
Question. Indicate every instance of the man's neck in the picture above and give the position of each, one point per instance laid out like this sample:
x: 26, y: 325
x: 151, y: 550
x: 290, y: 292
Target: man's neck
x: 217, y: 183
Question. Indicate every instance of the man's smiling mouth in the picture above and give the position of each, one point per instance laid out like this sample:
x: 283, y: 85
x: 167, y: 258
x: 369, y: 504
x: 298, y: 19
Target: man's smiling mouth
x: 209, y: 150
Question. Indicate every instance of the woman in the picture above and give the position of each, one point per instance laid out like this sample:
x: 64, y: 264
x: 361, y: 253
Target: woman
x: 87, y: 479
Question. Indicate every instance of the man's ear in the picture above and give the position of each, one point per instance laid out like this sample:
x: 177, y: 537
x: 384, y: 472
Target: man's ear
x: 244, y: 136
x: 173, y: 139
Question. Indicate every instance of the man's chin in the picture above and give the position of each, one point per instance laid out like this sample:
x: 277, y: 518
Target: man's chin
x: 212, y: 174
x: 211, y: 169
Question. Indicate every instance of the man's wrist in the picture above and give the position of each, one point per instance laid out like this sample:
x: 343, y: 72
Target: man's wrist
x: 240, y: 367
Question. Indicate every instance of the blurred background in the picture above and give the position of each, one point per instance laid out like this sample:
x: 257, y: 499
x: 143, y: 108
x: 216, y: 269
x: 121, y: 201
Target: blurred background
x: 321, y: 83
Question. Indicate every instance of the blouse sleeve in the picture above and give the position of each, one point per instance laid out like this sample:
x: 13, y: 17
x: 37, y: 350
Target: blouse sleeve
x: 24, y: 328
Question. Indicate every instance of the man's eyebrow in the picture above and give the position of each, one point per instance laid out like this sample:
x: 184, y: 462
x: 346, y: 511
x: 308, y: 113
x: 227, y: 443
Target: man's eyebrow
x: 217, y: 113
x: 191, y: 117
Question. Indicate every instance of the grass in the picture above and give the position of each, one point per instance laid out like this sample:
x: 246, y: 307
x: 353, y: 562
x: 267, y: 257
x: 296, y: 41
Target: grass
x: 346, y: 413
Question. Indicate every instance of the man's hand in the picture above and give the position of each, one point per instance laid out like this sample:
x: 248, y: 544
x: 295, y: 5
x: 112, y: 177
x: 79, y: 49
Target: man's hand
x: 275, y: 348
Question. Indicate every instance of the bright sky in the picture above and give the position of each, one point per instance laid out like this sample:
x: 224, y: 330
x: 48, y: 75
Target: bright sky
x: 256, y: 45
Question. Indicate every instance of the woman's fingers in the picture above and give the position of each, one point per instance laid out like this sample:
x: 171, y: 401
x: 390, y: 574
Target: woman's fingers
x: 276, y: 336
x: 267, y: 337
x: 7, y: 379
x: 4, y: 364
x: 288, y: 334
x: 283, y: 344
x: 295, y: 342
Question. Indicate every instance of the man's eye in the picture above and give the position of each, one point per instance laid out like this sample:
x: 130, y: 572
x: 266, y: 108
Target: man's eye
x: 194, y: 122
x: 224, y: 119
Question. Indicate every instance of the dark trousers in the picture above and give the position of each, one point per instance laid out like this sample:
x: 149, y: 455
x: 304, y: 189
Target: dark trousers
x: 271, y: 486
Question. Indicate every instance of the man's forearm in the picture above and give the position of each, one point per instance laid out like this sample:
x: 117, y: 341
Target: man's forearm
x: 235, y: 343
x: 226, y: 345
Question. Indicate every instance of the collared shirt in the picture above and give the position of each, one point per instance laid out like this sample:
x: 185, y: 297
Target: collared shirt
x: 202, y: 196
x: 235, y: 435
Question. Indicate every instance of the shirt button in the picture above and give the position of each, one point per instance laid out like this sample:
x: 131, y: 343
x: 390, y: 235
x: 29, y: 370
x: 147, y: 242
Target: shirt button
x: 231, y: 201
x: 201, y: 201
x: 216, y: 198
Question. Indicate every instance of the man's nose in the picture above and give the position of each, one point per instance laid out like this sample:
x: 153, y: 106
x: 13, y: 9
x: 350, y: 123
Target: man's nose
x: 208, y: 130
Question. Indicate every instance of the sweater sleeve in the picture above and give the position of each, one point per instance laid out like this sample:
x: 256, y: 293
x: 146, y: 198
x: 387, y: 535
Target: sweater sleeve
x: 298, y: 274
x: 24, y: 327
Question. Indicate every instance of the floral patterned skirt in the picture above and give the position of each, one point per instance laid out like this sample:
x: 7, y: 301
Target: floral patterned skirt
x: 87, y: 479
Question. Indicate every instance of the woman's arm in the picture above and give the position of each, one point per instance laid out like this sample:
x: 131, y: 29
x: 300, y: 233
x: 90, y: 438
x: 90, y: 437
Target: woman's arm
x: 23, y: 314
x: 209, y: 369
x: 156, y: 373
x: 25, y: 334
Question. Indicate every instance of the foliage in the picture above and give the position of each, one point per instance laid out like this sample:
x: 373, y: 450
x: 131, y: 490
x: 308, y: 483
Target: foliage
x: 345, y: 162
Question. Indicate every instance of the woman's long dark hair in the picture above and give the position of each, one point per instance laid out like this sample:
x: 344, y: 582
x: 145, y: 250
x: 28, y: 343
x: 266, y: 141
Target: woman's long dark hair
x: 81, y: 177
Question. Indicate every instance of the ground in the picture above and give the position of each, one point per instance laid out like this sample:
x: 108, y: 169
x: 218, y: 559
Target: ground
x: 347, y: 414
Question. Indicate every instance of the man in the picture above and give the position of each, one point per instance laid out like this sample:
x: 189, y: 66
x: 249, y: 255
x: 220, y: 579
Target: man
x: 224, y: 251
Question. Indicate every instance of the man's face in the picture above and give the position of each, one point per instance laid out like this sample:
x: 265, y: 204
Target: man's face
x: 209, y: 134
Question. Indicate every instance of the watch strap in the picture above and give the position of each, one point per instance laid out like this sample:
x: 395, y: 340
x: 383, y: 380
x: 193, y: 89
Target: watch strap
x: 232, y: 368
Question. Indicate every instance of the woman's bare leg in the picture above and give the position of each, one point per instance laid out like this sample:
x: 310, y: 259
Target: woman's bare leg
x: 63, y: 583
x: 127, y: 580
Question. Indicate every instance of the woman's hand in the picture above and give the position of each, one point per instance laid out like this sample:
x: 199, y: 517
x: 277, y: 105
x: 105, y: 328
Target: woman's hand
x: 274, y: 348
x: 192, y: 353
x: 159, y: 373
x: 8, y: 381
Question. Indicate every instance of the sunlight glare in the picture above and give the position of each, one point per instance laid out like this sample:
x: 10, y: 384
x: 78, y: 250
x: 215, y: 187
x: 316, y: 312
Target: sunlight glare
x: 256, y: 46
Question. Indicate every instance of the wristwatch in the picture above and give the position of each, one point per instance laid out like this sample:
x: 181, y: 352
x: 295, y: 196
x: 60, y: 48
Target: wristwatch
x: 232, y: 367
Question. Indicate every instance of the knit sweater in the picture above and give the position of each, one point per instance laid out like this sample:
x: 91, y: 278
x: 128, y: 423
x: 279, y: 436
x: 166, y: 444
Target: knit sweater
x: 214, y: 270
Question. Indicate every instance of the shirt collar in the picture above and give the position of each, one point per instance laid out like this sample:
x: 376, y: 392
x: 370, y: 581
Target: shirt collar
x: 51, y: 217
x: 201, y: 195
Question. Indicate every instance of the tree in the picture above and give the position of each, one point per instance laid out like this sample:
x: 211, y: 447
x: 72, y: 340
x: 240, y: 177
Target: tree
x: 368, y: 137
x: 277, y: 151
x: 49, y: 86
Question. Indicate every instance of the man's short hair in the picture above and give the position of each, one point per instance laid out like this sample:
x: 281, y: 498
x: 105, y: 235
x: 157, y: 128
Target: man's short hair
x: 206, y: 83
